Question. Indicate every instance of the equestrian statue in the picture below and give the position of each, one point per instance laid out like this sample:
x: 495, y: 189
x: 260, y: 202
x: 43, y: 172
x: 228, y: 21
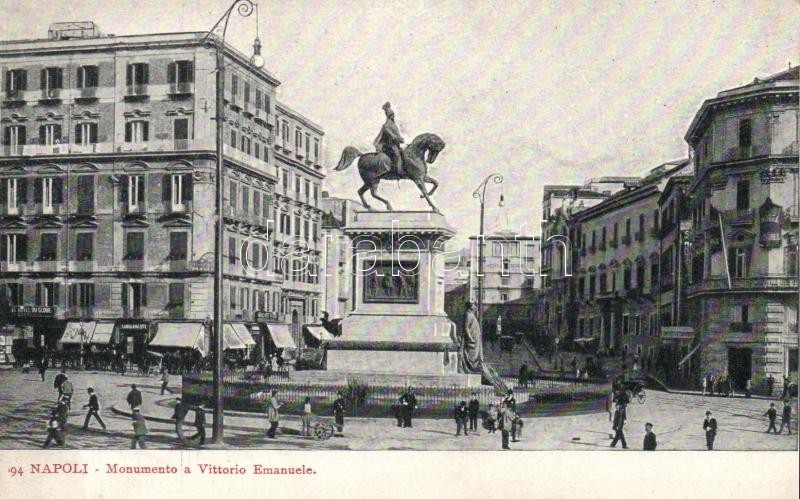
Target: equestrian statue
x: 391, y: 162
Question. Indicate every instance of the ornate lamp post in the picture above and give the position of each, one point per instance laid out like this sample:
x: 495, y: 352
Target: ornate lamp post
x: 480, y: 195
x: 82, y: 332
x: 244, y: 8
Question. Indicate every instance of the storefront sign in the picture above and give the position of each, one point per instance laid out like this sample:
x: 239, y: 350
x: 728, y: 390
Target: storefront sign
x: 31, y: 311
x: 133, y: 327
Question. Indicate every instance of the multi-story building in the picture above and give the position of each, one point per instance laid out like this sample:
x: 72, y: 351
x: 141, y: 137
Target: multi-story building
x: 338, y: 287
x: 744, y: 212
x: 107, y: 191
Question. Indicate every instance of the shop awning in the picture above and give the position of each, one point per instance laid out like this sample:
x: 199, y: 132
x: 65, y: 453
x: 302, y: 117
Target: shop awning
x: 281, y: 335
x: 244, y: 334
x: 72, y: 333
x: 318, y: 332
x: 179, y: 335
x: 102, y: 333
x: 230, y: 340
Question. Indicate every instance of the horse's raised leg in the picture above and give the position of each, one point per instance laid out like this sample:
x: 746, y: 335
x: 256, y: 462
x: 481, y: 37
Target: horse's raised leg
x: 373, y: 188
x: 364, y: 188
x: 421, y: 187
x: 431, y: 180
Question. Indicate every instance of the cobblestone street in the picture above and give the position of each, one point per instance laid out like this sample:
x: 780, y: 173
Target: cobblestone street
x: 677, y: 420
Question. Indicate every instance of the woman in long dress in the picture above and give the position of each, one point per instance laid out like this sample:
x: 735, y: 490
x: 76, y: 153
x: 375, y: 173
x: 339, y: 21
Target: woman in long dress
x: 471, y: 355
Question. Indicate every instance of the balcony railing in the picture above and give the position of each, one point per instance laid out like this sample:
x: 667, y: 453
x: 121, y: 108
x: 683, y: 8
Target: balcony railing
x: 772, y: 283
x: 626, y: 240
x: 136, y: 91
x: 134, y: 313
x: 739, y: 217
x: 50, y: 94
x: 80, y: 312
x: 741, y: 327
x: 87, y: 93
x: 242, y: 157
x: 14, y: 96
x: 182, y: 88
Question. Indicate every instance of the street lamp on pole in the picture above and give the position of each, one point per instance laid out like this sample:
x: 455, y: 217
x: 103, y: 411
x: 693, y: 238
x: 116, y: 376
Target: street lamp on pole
x: 480, y: 195
x: 244, y: 8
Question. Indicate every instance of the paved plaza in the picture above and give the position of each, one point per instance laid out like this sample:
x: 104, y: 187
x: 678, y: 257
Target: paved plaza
x: 677, y: 418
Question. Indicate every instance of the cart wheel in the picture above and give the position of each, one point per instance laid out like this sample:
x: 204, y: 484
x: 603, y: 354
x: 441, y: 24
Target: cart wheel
x: 319, y: 431
x: 641, y: 397
x: 330, y: 430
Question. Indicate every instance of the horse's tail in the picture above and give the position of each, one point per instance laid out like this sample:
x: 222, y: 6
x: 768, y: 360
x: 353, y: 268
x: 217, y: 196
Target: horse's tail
x: 348, y: 155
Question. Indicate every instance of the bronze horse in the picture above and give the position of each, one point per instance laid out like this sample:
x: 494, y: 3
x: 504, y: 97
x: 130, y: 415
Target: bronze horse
x: 374, y: 167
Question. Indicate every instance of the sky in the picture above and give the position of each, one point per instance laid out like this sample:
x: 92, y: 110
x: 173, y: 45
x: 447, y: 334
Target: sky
x: 541, y: 92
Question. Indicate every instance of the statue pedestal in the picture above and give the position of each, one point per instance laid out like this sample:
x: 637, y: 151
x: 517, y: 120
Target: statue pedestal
x: 398, y: 327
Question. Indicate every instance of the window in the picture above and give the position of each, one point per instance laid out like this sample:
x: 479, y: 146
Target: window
x: 626, y: 279
x: 245, y: 199
x: 233, y: 189
x: 246, y: 93
x: 308, y: 190
x: 592, y: 285
x: 175, y: 304
x: 628, y: 228
x: 745, y: 134
x: 15, y: 136
x: 257, y: 203
x: 506, y: 266
x: 85, y: 194
x: 654, y: 275
x: 131, y: 191
x: 180, y: 131
x: 738, y: 262
x: 16, y: 81
x: 234, y: 87
x: 232, y: 251
x: 297, y: 188
x: 625, y: 325
x: 744, y: 314
x: 85, y: 134
x: 137, y: 74
x: 615, y: 239
x: 640, y: 276
x: 285, y: 180
x: 134, y: 246
x: 504, y: 297
x: 49, y: 244
x: 641, y: 224
x: 258, y: 98
x: 603, y: 283
x: 46, y: 294
x: 88, y: 77
x: 316, y: 150
x: 245, y: 144
x: 137, y: 131
x: 180, y: 72
x: 81, y: 295
x: 233, y: 139
x: 84, y: 246
x: 232, y: 292
x: 52, y: 79
x: 14, y: 248
x: 134, y: 296
x: 297, y: 225
x: 743, y: 195
x: 178, y: 242
x: 244, y: 300
x: 177, y: 189
x: 50, y: 134
x: 298, y: 140
x: 306, y: 232
x: 316, y: 195
x: 285, y: 133
x: 266, y: 103
x: 308, y: 146
x: 13, y: 192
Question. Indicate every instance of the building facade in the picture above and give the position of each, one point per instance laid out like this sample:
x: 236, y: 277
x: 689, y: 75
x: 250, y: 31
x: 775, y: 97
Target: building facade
x: 338, y: 289
x: 107, y: 191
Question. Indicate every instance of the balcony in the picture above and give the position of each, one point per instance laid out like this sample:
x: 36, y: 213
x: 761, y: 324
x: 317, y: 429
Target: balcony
x: 741, y: 327
x: 80, y: 311
x: 129, y: 209
x: 157, y: 146
x: 626, y: 240
x: 720, y: 284
x: 185, y: 207
x: 56, y: 149
x: 13, y: 266
x: 134, y: 313
x: 639, y: 236
x: 246, y: 159
x: 50, y: 95
x: 136, y: 91
x: 613, y: 243
x: 181, y: 89
x: 46, y: 266
x: 87, y: 93
x: 13, y: 150
x: 14, y: 96
x: 82, y: 266
x: 261, y: 117
x: 739, y: 217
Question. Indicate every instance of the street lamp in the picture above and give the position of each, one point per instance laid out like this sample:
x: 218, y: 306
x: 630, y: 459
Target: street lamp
x: 244, y: 8
x: 480, y: 195
x: 82, y: 333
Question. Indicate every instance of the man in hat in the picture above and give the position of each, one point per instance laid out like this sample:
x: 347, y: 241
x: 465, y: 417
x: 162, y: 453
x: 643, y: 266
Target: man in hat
x: 618, y: 425
x: 139, y: 429
x: 710, y: 426
x: 200, y: 423
x: 94, y: 410
x: 786, y: 416
x: 338, y: 412
x: 60, y: 378
x: 134, y: 397
x: 649, y: 437
x: 389, y: 139
x: 179, y: 415
x: 473, y: 410
x: 408, y: 404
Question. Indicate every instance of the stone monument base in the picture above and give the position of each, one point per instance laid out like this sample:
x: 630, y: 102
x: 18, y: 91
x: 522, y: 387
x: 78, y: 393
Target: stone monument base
x: 386, y: 378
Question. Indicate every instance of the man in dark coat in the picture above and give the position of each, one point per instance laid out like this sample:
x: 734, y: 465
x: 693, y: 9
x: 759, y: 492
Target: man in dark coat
x: 786, y: 417
x: 179, y: 416
x: 134, y: 397
x: 710, y: 426
x: 773, y: 416
x: 649, y: 438
x: 60, y: 378
x: 786, y: 382
x: 54, y: 431
x: 139, y: 429
x: 408, y: 404
x: 473, y: 409
x: 338, y: 413
x: 510, y: 401
x: 460, y: 414
x: 94, y: 410
x: 42, y: 367
x: 770, y: 385
x: 505, y: 420
x: 200, y: 423
x: 618, y: 425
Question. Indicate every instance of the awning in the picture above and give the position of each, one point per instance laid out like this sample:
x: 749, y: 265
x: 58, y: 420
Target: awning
x: 179, y: 335
x: 318, y: 332
x: 72, y: 333
x: 244, y: 334
x: 281, y: 335
x: 230, y: 340
x: 102, y: 333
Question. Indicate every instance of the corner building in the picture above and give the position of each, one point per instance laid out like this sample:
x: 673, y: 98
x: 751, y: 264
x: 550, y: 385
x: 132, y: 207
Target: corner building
x: 107, y: 193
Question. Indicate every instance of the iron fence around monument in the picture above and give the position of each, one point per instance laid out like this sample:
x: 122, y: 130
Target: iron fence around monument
x: 251, y: 394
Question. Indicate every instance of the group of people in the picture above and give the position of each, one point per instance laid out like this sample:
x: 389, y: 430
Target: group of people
x: 501, y: 417
x: 620, y: 417
x: 722, y: 385
x: 59, y: 415
x: 786, y: 417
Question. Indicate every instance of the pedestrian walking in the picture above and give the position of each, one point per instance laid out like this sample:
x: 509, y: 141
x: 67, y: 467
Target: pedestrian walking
x: 786, y: 416
x: 772, y: 414
x: 179, y: 416
x: 60, y: 378
x: 165, y: 382
x: 139, y: 429
x: 94, y: 410
x: 516, y: 427
x: 54, y: 431
x: 618, y: 426
x: 306, y: 417
x: 649, y: 438
x: 491, y: 419
x: 338, y: 413
x: 461, y: 414
x: 506, y: 420
x: 710, y: 427
x: 134, y: 397
x: 200, y: 424
x: 510, y: 401
x: 272, y: 414
x: 731, y: 393
x: 409, y: 405
x: 473, y: 409
x: 705, y: 384
x: 786, y: 382
x: 770, y: 385
x: 748, y: 386
x: 67, y: 391
x: 62, y: 413
x: 42, y: 367
x: 523, y: 375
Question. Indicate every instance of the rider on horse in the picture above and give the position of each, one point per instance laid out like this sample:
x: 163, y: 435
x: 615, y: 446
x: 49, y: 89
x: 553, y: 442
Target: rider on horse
x: 389, y: 139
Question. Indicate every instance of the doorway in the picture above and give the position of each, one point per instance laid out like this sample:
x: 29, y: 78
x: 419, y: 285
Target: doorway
x: 740, y: 366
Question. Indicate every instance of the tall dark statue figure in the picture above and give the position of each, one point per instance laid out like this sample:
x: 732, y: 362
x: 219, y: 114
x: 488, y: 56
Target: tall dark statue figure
x: 391, y: 162
x: 470, y: 356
